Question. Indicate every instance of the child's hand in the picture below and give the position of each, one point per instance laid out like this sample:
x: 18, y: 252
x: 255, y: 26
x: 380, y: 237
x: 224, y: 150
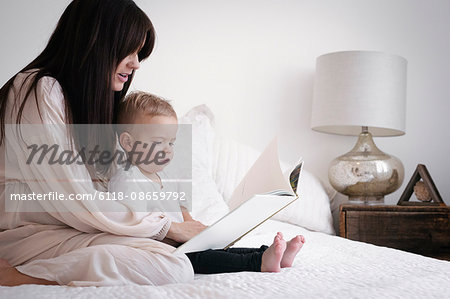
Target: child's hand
x: 186, y: 215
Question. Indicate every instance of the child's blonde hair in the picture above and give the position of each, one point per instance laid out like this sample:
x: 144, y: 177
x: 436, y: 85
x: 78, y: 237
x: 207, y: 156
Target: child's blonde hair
x: 143, y: 102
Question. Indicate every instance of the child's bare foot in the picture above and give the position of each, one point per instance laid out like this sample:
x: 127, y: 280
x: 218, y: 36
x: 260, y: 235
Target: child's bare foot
x: 292, y: 248
x: 271, y: 258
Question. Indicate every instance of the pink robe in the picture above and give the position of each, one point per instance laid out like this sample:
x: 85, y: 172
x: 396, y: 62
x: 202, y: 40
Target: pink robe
x: 73, y: 243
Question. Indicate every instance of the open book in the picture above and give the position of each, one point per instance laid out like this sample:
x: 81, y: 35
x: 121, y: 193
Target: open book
x: 262, y: 193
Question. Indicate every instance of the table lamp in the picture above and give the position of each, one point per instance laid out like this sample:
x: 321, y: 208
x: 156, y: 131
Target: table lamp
x: 361, y: 93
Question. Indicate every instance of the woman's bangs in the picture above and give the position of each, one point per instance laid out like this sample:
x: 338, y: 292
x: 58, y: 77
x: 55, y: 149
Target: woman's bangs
x: 148, y: 46
x: 140, y: 30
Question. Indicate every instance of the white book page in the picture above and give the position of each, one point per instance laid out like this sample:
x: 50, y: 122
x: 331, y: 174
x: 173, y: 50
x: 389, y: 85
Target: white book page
x: 264, y: 176
x: 236, y: 224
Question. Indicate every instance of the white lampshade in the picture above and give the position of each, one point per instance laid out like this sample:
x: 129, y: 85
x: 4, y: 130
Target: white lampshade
x: 359, y: 88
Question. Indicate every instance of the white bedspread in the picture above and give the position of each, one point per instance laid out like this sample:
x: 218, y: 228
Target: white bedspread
x: 327, y: 267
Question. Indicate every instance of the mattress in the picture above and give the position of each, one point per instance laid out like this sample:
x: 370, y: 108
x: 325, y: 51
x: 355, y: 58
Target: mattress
x: 326, y: 267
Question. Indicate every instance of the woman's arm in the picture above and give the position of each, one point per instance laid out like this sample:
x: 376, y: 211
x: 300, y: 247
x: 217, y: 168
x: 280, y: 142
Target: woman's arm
x: 184, y: 231
x: 185, y: 213
x: 70, y: 179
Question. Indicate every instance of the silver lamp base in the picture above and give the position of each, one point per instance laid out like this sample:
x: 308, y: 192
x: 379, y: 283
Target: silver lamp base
x: 366, y: 174
x: 366, y: 200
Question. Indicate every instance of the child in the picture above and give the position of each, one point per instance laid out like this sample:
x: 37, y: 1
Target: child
x: 143, y: 108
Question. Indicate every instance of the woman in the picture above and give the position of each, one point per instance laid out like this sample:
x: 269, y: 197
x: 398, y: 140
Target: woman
x: 79, y: 78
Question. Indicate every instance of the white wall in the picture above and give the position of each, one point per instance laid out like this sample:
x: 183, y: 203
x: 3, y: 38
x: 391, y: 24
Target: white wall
x: 252, y: 62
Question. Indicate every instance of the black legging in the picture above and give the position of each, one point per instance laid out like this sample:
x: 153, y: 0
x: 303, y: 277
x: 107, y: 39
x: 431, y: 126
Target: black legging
x: 230, y: 260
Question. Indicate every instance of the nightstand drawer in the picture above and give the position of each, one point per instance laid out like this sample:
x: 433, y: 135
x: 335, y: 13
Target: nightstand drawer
x: 423, y: 230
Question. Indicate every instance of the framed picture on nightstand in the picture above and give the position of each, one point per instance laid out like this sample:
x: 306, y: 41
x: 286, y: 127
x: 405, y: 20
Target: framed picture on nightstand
x: 422, y: 185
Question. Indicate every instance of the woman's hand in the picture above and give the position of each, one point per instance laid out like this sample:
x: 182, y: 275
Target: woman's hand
x: 186, y: 215
x: 170, y: 242
x: 184, y: 231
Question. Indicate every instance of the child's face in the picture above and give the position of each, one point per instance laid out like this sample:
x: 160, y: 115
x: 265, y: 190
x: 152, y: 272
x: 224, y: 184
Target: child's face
x: 150, y: 144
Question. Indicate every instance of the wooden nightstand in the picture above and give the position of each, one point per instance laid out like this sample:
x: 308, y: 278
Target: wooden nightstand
x: 419, y: 229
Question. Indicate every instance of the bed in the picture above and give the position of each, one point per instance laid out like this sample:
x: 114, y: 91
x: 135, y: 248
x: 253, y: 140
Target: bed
x: 327, y: 266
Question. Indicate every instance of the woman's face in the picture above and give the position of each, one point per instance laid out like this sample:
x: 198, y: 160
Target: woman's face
x: 124, y: 71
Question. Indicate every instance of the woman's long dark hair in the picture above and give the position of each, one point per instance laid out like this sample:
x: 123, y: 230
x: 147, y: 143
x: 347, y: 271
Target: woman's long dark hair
x: 91, y: 38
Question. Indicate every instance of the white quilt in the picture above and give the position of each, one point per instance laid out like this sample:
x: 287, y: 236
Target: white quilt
x: 327, y: 267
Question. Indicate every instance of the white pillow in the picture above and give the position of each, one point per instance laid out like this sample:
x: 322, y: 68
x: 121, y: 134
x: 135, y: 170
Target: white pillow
x: 231, y: 161
x: 207, y: 203
x: 312, y: 210
x: 219, y: 164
